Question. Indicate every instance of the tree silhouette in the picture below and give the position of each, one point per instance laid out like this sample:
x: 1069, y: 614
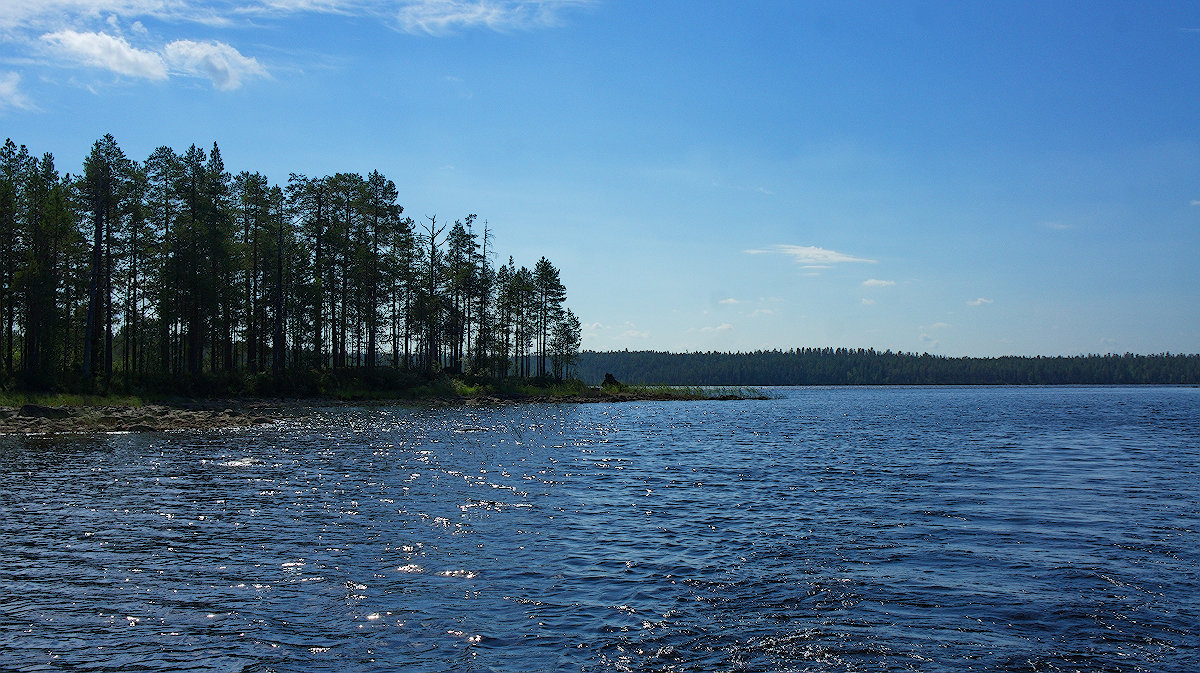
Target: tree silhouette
x: 175, y: 269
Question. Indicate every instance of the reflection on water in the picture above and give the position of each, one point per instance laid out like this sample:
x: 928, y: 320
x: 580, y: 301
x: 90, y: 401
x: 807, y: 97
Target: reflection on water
x: 828, y: 530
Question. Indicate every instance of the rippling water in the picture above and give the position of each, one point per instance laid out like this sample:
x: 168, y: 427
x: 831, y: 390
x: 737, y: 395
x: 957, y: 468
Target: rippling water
x: 924, y: 529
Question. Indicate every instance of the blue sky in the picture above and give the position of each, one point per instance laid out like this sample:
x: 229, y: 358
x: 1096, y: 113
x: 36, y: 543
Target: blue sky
x: 945, y: 177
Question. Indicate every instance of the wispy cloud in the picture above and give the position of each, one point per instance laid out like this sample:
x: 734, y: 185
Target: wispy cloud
x: 317, y: 6
x: 1196, y: 202
x: 52, y: 15
x: 723, y: 327
x: 980, y: 301
x: 631, y: 331
x: 730, y: 301
x: 11, y: 95
x: 428, y: 16
x: 875, y: 282
x: 1057, y: 226
x: 438, y: 17
x: 597, y: 331
x: 810, y: 256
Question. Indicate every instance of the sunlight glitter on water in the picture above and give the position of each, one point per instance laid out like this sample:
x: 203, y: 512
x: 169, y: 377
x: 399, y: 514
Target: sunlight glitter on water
x: 854, y: 529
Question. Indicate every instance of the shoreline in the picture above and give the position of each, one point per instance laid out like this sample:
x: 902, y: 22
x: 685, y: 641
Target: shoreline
x: 36, y: 419
x: 217, y: 413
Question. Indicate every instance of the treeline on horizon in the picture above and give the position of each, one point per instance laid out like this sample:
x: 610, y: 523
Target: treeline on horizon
x: 173, y: 275
x: 846, y: 366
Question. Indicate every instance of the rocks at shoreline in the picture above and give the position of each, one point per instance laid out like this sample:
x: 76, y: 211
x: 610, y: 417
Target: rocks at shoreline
x: 38, y: 419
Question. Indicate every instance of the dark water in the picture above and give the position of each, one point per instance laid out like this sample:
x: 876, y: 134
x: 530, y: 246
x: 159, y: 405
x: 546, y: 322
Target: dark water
x: 1046, y: 529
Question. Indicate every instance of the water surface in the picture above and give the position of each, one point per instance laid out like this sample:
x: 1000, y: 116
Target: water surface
x: 851, y: 529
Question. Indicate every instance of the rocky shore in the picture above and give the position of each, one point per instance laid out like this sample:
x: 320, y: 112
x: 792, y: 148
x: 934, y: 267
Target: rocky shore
x: 33, y: 419
x: 38, y: 419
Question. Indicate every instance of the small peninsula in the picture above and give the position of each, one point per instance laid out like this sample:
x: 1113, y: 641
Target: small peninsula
x: 46, y: 414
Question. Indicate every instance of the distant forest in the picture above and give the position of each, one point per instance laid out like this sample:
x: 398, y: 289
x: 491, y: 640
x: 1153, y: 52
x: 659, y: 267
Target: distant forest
x: 844, y: 366
x: 173, y: 274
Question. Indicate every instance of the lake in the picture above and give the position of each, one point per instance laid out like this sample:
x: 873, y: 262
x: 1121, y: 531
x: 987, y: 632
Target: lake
x: 828, y: 529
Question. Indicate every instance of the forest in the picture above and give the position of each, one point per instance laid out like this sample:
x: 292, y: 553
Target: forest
x: 845, y: 366
x: 175, y: 275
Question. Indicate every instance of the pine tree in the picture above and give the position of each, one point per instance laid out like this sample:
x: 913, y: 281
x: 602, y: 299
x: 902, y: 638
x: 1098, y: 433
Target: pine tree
x: 382, y: 216
x: 138, y: 243
x: 429, y: 304
x: 564, y: 344
x: 404, y: 284
x: 308, y: 201
x: 49, y: 225
x: 104, y: 188
x: 15, y: 166
x: 164, y: 174
x: 253, y: 211
x: 461, y: 282
x: 549, y: 295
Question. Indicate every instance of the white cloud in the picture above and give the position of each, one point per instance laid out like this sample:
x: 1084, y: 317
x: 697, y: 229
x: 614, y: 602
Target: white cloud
x: 10, y: 92
x: 95, y: 33
x: 811, y: 256
x: 980, y: 302
x: 591, y: 331
x: 868, y: 302
x: 100, y: 50
x: 729, y: 301
x: 219, y: 62
x: 1196, y: 202
x: 723, y: 327
x: 875, y: 282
